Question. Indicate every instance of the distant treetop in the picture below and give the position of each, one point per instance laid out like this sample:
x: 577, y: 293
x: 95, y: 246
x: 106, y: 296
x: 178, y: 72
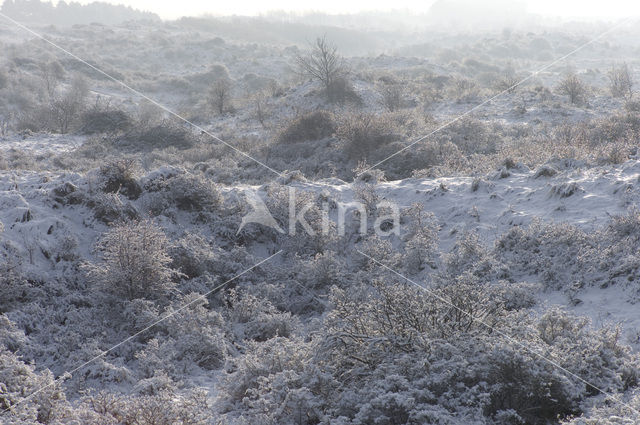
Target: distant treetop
x: 64, y: 14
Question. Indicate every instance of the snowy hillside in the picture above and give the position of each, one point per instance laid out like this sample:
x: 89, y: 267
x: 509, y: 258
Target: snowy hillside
x: 319, y: 220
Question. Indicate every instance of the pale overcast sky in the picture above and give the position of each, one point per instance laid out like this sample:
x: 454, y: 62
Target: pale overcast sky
x: 567, y: 8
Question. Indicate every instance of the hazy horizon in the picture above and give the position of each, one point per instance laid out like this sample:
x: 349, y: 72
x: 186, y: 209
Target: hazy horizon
x: 571, y: 9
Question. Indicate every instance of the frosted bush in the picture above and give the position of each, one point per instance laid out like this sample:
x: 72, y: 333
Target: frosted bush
x: 420, y: 240
x: 134, y: 262
x: 188, y: 192
x: 18, y: 381
x: 119, y: 176
x: 257, y: 318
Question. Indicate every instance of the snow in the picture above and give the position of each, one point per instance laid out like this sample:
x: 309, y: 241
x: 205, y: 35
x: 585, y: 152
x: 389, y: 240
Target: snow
x: 34, y: 223
x: 41, y: 143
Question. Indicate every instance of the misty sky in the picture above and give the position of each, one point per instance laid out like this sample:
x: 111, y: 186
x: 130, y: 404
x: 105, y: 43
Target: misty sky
x: 566, y: 8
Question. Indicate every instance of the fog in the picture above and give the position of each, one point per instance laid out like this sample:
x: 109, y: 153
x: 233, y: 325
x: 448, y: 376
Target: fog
x: 582, y: 9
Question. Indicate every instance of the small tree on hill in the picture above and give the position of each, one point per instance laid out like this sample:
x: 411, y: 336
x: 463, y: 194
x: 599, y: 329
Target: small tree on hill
x: 220, y: 95
x: 66, y: 108
x: 322, y: 63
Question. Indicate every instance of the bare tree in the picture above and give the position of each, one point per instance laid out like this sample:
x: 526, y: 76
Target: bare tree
x: 260, y: 107
x: 322, y: 63
x: 220, y: 95
x: 573, y: 87
x: 65, y: 109
x: 621, y: 82
x: 52, y: 74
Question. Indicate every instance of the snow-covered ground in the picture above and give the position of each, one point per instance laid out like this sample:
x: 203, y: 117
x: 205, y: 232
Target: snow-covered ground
x: 35, y: 224
x: 41, y: 143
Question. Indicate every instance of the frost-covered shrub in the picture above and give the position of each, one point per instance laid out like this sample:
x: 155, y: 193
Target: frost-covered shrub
x: 160, y: 136
x: 472, y: 136
x: 392, y: 96
x: 618, y: 127
x: 420, y: 240
x: 469, y: 255
x: 19, y: 381
x: 324, y: 271
x: 257, y: 319
x: 134, y: 262
x: 545, y: 171
x: 119, y: 176
x: 188, y: 192
x: 368, y: 324
x: 462, y: 89
x: 168, y: 407
x: 364, y: 133
x: 621, y: 81
x: 310, y: 235
x: 188, y: 337
x: 109, y: 208
x: 13, y: 284
x: 341, y: 90
x: 67, y: 249
x: 393, y: 353
x: 263, y: 363
x: 554, y: 252
x: 632, y: 106
x: 573, y: 87
x: 35, y: 118
x: 312, y: 126
x: 610, y: 412
x: 376, y: 249
x: 104, y: 121
x: 192, y: 255
x: 431, y: 158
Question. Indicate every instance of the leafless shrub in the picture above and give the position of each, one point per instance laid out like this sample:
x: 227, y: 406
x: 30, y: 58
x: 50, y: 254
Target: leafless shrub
x: 65, y: 109
x: 507, y: 82
x: 363, y: 133
x: 573, y: 87
x: 462, y: 89
x: 260, y: 107
x: 392, y: 96
x: 621, y: 82
x: 52, y: 75
x: 163, y: 408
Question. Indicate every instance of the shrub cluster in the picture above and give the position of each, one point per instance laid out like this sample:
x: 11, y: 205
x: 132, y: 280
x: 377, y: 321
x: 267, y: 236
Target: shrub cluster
x: 309, y: 127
